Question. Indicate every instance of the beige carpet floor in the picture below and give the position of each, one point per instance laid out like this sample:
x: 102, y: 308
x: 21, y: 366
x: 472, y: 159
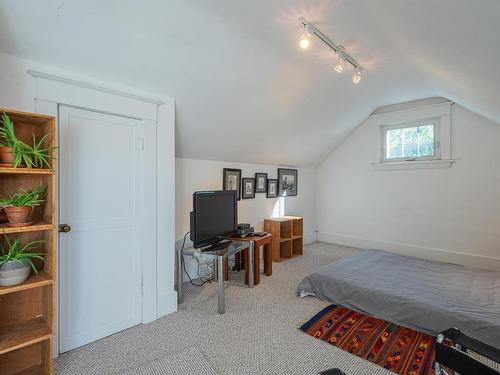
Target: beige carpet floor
x: 258, y: 334
x: 186, y: 362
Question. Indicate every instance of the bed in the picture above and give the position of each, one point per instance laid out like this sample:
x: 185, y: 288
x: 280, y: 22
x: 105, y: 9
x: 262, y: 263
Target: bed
x: 423, y: 295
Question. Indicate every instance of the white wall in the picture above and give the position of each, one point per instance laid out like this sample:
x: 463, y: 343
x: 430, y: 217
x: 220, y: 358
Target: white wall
x: 443, y: 214
x: 196, y: 175
x: 18, y: 90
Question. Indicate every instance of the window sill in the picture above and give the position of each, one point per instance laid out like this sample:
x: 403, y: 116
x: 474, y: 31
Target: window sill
x: 417, y: 164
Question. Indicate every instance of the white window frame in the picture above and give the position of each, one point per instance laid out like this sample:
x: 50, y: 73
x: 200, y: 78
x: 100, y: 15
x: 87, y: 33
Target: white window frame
x: 437, y: 144
x: 412, y: 115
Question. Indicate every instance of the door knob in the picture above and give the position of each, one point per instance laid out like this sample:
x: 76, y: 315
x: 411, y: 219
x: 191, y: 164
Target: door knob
x: 65, y: 228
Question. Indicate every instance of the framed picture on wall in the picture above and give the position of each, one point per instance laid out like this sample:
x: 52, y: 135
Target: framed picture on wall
x: 248, y: 188
x: 231, y: 180
x: 287, y: 182
x: 260, y: 182
x: 272, y: 188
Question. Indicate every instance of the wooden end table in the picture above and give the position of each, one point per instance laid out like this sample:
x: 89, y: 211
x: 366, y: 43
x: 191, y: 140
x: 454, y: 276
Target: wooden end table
x: 255, y: 243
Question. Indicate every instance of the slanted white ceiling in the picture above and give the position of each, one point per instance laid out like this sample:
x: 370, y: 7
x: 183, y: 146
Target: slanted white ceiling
x: 244, y: 90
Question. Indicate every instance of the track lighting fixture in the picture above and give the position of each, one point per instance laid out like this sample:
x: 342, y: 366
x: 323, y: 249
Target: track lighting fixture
x: 343, y: 57
x: 340, y: 64
x: 304, y: 41
x: 356, y: 76
x: 305, y: 38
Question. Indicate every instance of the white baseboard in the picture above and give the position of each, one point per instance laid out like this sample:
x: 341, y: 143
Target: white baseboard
x: 309, y: 238
x: 441, y: 255
x: 166, y: 304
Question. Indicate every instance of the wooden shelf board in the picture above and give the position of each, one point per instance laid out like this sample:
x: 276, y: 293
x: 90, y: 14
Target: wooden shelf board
x: 296, y: 237
x: 285, y: 239
x: 293, y: 217
x: 35, y: 118
x: 280, y: 219
x: 35, y: 370
x: 39, y: 226
x: 10, y: 170
x: 35, y: 281
x: 23, y: 334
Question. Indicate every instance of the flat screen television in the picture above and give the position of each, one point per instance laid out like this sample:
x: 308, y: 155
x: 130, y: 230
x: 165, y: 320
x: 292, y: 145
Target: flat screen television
x: 214, y: 215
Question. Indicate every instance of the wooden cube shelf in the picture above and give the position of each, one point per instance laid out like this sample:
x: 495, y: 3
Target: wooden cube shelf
x: 286, y: 249
x: 286, y: 229
x: 297, y: 246
x: 27, y: 310
x: 287, y: 236
x: 297, y: 225
x: 29, y: 360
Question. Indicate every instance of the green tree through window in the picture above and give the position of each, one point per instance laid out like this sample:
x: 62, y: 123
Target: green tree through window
x: 410, y: 142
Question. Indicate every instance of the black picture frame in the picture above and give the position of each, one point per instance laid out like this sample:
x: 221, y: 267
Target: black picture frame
x: 245, y: 192
x: 272, y: 188
x: 231, y: 180
x: 287, y: 182
x: 260, y: 178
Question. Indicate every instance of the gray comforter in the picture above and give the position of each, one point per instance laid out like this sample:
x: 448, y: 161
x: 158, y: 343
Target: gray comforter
x: 424, y: 295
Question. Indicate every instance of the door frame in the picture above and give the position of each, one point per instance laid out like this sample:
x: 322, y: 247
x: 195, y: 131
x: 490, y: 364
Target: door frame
x: 158, y: 258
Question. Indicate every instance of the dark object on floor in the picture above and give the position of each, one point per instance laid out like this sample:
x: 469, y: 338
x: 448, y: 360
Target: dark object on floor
x: 333, y: 371
x: 459, y: 358
x: 397, y: 349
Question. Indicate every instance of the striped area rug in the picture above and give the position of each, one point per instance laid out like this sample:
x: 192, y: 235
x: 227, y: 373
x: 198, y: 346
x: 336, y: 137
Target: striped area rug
x: 398, y: 349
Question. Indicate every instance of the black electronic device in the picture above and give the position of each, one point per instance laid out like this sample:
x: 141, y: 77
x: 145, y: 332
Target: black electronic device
x: 214, y: 214
x: 242, y: 226
x: 467, y: 356
x: 259, y: 234
x: 244, y: 232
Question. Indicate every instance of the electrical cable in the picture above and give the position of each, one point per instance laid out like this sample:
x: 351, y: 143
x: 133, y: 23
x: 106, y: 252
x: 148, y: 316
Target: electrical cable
x: 184, y: 265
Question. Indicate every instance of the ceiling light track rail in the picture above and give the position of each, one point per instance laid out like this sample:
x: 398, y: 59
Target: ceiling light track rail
x: 311, y: 30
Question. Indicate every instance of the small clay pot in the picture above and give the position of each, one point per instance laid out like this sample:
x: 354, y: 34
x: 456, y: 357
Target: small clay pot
x: 18, y: 215
x: 3, y: 216
x: 6, y: 155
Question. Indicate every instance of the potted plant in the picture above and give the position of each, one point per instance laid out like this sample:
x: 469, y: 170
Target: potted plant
x: 17, y: 153
x: 6, y: 141
x: 16, y: 261
x: 18, y: 207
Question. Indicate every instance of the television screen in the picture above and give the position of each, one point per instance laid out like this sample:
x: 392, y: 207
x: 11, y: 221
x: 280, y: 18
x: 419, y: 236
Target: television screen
x: 214, y: 215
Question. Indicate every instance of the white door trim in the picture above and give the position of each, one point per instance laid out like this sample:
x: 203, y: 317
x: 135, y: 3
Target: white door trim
x: 51, y: 90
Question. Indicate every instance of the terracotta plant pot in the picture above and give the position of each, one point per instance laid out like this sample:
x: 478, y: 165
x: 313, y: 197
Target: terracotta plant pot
x: 3, y: 216
x: 6, y: 155
x: 18, y: 215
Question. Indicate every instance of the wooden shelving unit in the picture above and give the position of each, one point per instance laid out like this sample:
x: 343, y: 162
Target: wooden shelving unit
x: 27, y: 310
x: 287, y: 239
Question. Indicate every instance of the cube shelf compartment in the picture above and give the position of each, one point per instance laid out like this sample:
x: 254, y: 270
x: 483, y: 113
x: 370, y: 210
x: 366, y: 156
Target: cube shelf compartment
x: 27, y: 310
x: 287, y: 239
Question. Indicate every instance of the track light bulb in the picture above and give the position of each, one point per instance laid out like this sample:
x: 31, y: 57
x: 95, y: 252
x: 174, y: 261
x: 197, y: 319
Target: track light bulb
x: 305, y: 38
x: 340, y: 64
x: 304, y: 42
x: 356, y: 76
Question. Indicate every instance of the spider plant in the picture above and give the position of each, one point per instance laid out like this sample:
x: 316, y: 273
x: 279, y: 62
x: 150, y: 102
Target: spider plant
x: 32, y: 156
x: 17, y: 252
x: 22, y: 197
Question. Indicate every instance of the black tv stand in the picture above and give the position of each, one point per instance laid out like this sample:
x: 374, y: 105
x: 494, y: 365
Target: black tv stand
x: 219, y: 245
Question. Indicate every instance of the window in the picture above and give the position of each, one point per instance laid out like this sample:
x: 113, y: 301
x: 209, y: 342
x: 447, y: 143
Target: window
x: 409, y: 142
x: 414, y: 135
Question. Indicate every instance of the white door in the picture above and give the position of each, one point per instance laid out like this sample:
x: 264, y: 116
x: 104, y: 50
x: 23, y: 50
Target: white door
x: 101, y: 195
